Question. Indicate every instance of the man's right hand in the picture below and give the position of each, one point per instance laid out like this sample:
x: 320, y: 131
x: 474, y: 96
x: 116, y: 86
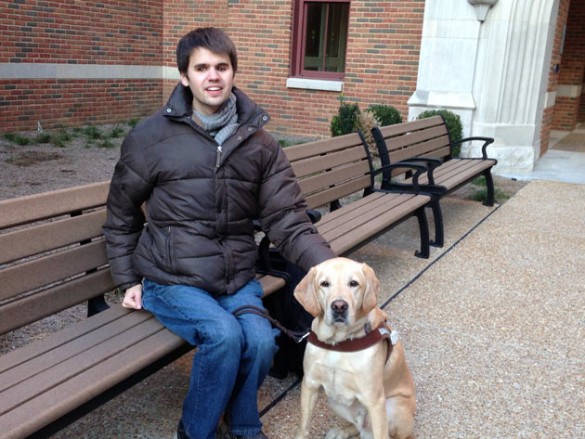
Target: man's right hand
x: 133, y: 297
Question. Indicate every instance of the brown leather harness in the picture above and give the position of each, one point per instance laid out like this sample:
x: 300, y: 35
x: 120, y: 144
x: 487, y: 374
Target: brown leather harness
x: 382, y: 332
x: 372, y: 337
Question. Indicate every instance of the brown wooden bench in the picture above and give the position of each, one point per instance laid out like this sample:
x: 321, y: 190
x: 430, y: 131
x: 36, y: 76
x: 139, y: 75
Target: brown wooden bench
x: 331, y: 170
x: 53, y: 257
x: 428, y: 141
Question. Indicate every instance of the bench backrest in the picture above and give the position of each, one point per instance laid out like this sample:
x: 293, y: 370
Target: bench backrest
x: 52, y: 253
x: 331, y: 169
x: 419, y: 138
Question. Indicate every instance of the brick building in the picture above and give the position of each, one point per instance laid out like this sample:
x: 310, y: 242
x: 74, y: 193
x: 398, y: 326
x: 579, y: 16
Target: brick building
x: 513, y: 69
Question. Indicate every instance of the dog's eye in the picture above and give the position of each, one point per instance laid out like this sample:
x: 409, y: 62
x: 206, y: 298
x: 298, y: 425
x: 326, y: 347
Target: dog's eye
x: 353, y: 283
x: 325, y: 283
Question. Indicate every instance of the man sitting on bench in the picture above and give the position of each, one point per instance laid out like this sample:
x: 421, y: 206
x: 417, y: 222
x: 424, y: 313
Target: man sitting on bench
x: 206, y: 168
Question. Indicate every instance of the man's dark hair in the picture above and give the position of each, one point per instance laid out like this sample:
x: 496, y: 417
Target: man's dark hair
x: 211, y: 38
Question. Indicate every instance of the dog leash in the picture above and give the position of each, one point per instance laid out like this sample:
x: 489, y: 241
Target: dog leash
x: 296, y: 336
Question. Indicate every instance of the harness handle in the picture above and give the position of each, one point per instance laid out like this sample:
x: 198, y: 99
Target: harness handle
x: 296, y: 336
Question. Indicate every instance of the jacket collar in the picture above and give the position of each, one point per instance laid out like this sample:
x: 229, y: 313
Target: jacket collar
x: 180, y: 106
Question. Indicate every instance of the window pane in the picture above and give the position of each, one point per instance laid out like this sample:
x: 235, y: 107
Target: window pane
x: 325, y: 36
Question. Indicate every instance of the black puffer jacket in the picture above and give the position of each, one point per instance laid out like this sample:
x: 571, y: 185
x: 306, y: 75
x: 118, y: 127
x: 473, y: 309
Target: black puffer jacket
x: 200, y: 202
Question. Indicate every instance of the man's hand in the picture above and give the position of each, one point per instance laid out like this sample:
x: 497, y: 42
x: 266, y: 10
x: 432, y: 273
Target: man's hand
x: 133, y: 297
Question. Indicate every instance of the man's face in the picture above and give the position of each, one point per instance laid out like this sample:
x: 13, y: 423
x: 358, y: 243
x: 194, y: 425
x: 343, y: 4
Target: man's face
x: 210, y: 78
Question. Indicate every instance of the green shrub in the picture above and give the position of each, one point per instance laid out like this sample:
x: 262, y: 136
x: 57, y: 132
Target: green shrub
x: 345, y: 121
x: 17, y: 138
x: 92, y: 133
x: 453, y: 122
x: 116, y: 132
x: 43, y: 137
x: 385, y: 114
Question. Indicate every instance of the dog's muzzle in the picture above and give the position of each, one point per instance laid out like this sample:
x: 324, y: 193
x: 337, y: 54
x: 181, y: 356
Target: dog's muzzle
x: 339, y: 311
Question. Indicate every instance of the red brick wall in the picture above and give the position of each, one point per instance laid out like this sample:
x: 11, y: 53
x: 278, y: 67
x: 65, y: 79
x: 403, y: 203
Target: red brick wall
x: 383, y: 49
x: 553, y: 77
x: 566, y: 114
x: 382, y: 61
x: 81, y: 32
x: 182, y: 16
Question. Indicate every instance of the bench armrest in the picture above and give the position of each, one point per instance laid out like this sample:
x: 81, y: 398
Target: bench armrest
x: 418, y: 167
x: 486, y: 141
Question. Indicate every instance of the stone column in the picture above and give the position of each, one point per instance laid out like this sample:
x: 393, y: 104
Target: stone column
x: 490, y: 67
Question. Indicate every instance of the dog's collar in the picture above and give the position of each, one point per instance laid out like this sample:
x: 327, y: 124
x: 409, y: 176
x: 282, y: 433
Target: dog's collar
x: 382, y: 332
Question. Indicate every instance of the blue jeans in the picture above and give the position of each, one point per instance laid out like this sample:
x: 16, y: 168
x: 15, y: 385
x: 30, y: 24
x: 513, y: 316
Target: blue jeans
x: 234, y: 354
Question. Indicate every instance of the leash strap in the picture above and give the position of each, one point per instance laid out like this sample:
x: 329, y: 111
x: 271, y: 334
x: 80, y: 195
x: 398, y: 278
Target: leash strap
x: 297, y: 336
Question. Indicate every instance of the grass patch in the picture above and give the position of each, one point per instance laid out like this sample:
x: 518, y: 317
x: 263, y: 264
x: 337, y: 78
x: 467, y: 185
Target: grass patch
x: 481, y: 191
x: 17, y: 139
x: 101, y: 137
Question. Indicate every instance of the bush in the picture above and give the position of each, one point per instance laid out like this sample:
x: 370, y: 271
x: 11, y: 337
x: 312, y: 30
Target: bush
x: 345, y: 122
x: 453, y: 122
x: 385, y: 114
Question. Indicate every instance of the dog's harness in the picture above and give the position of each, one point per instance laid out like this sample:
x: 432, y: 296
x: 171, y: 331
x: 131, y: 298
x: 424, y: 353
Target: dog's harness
x: 372, y: 337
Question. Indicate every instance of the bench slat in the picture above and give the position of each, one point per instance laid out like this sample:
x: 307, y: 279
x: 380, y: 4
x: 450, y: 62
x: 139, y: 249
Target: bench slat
x: 433, y: 148
x: 356, y: 222
x: 48, y: 236
x: 52, y: 268
x: 76, y: 359
x: 327, y: 196
x: 409, y: 127
x: 49, y: 204
x: 334, y: 177
x: 455, y: 172
x: 42, y: 359
x: 312, y: 165
x: 325, y: 146
x: 438, y: 134
x: 18, y: 356
x: 101, y: 376
x: 33, y: 307
x: 366, y: 231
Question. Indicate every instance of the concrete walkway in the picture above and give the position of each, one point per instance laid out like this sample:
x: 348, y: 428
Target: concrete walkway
x: 493, y: 326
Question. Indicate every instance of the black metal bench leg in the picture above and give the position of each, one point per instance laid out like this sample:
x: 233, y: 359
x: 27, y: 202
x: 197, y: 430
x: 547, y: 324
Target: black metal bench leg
x: 490, y: 195
x: 423, y: 226
x: 438, y: 220
x: 96, y: 305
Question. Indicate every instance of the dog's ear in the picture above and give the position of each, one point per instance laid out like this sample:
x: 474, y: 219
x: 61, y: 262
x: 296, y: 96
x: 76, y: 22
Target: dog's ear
x: 306, y: 295
x: 372, y: 288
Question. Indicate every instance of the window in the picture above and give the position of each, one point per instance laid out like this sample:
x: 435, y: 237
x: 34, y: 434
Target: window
x: 320, y: 39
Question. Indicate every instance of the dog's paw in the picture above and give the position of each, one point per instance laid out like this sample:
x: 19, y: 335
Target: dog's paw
x: 342, y: 433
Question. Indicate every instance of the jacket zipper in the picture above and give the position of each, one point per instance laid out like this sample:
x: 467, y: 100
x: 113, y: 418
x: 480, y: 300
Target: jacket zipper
x: 218, y: 156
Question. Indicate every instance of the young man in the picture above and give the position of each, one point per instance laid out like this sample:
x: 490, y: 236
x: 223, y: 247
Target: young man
x: 206, y: 168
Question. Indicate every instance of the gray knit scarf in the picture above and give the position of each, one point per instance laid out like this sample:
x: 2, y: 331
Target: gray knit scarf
x: 222, y: 124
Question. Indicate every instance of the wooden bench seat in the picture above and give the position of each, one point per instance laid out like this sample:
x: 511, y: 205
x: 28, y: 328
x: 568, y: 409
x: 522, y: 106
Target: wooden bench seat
x: 428, y: 141
x: 53, y: 257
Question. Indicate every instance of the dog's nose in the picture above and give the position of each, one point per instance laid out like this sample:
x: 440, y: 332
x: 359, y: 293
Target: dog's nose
x: 339, y: 307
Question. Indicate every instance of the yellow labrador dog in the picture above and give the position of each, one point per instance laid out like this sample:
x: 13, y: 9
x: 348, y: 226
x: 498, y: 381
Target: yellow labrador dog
x: 351, y: 356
